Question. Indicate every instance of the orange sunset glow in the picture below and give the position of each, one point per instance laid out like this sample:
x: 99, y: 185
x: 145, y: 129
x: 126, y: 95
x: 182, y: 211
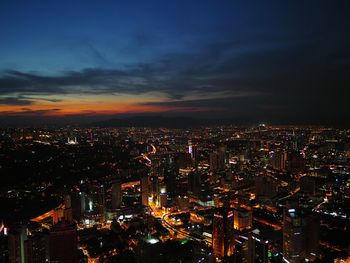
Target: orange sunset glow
x: 93, y: 105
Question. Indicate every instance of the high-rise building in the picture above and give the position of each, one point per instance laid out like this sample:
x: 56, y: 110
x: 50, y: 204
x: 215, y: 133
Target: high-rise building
x: 296, y: 162
x: 27, y: 246
x: 241, y: 249
x: 83, y: 202
x: 278, y: 160
x: 242, y: 219
x: 16, y: 239
x: 170, y: 173
x: 194, y: 183
x: 307, y: 185
x: 116, y: 193
x: 300, y: 235
x: 63, y: 243
x: 76, y: 205
x: 67, y: 212
x: 36, y: 248
x: 258, y: 249
x: 293, y: 239
x: 4, y: 244
x: 192, y: 150
x: 223, y: 238
x: 102, y: 203
x: 312, y: 237
x: 250, y: 248
x: 144, y: 190
x: 265, y: 187
x: 163, y: 196
x: 217, y: 161
x: 154, y: 188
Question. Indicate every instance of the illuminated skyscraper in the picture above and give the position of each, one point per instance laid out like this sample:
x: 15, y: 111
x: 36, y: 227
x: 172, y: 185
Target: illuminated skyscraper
x: 241, y: 249
x: 154, y: 187
x: 242, y: 219
x: 258, y: 249
x: 300, y: 235
x: 223, y: 238
x: 192, y: 150
x: 163, y: 196
x: 250, y: 248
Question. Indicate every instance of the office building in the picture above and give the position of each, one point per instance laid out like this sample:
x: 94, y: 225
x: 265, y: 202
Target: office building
x: 242, y: 219
x: 223, y: 238
x: 293, y: 239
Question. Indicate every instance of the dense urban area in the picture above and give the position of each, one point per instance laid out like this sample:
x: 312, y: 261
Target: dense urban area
x: 212, y: 194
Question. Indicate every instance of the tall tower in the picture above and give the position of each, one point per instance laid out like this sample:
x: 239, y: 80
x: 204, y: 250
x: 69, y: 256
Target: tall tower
x: 223, y: 235
x: 116, y: 193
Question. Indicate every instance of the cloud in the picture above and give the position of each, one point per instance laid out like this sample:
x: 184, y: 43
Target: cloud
x: 238, y: 77
x: 15, y: 101
x: 28, y: 112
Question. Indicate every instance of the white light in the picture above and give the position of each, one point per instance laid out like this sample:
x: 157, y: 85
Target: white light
x: 153, y: 241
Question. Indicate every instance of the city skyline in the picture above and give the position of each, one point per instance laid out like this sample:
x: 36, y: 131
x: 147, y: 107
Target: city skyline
x: 248, y: 62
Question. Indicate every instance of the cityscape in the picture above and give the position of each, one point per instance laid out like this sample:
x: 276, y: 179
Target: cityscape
x: 228, y: 193
x: 174, y: 131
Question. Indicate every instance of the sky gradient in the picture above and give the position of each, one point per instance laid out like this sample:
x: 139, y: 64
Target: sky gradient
x: 273, y: 61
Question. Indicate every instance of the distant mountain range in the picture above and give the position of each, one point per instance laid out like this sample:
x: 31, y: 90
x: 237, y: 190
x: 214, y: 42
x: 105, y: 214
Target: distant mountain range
x: 157, y: 121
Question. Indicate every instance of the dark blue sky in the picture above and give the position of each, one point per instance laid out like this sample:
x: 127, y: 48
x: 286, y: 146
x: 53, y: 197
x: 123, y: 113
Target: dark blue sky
x: 278, y: 61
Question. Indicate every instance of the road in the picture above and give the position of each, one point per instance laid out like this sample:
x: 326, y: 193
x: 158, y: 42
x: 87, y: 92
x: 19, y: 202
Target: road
x: 169, y: 227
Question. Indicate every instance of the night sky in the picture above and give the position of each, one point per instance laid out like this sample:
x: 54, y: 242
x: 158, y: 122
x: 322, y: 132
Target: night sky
x: 253, y: 61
